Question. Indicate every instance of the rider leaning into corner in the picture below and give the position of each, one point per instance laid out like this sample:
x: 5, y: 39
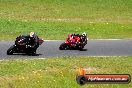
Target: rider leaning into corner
x: 32, y: 39
x: 75, y: 38
x: 25, y: 44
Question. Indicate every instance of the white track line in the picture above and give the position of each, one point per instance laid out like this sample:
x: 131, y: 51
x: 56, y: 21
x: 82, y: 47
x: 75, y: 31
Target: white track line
x: 108, y: 39
x: 54, y: 40
x: 92, y: 39
x: 88, y: 40
x: 22, y: 59
x: 106, y: 56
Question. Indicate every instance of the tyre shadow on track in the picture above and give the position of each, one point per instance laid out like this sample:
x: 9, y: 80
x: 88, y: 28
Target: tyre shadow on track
x: 22, y: 54
x: 83, y: 50
x: 77, y: 49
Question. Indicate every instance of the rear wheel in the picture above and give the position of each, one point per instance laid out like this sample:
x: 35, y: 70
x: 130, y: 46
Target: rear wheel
x: 63, y: 46
x: 11, y: 50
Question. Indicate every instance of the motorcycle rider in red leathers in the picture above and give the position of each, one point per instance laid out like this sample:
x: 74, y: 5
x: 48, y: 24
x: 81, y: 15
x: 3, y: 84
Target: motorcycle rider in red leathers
x: 72, y: 39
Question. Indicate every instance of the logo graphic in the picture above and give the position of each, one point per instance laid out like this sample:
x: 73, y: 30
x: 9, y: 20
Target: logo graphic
x: 84, y: 78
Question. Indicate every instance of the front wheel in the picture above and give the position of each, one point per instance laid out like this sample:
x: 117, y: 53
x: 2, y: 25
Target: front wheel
x: 80, y: 46
x: 11, y: 50
x: 31, y: 52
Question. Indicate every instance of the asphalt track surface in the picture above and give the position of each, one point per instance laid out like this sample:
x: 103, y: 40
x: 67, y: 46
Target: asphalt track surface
x: 93, y: 48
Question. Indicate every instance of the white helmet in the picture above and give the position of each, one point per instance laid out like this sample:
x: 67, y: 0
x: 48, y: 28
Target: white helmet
x: 32, y: 34
x: 84, y: 34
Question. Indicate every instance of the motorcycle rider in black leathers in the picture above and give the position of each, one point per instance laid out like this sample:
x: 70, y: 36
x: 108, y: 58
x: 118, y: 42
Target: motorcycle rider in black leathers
x: 27, y: 44
x: 32, y: 43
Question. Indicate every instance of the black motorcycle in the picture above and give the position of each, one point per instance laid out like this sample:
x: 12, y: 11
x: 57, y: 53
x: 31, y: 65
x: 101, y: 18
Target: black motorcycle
x: 21, y: 46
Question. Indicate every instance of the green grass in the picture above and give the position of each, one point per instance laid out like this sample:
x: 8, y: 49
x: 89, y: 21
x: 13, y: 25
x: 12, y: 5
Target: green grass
x: 87, y: 9
x: 54, y: 19
x: 60, y: 72
x: 9, y: 29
